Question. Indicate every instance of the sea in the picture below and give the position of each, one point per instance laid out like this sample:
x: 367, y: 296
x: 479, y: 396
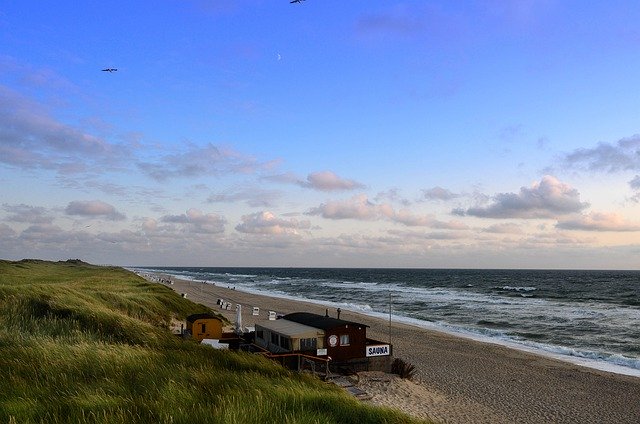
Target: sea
x: 590, y: 318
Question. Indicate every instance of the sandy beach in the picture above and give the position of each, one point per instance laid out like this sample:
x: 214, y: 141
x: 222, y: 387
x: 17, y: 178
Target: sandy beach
x: 461, y: 380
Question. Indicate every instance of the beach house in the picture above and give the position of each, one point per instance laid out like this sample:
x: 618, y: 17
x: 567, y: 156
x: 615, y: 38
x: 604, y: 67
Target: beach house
x: 204, y: 326
x: 344, y: 342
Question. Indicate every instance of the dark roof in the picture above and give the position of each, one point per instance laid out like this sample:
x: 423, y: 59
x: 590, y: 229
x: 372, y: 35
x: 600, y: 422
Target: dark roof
x: 194, y: 317
x: 318, y: 321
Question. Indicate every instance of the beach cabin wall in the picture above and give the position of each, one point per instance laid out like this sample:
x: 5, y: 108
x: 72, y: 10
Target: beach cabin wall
x: 281, y: 336
x: 346, y: 342
x: 204, y: 326
x: 273, y: 341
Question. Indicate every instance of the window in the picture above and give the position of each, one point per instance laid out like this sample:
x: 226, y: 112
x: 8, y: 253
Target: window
x: 260, y: 334
x: 344, y: 340
x: 204, y: 328
x: 285, y: 343
x: 308, y: 344
x: 274, y: 338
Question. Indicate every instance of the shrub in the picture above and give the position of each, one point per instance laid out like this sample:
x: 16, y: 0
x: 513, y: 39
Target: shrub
x: 403, y: 369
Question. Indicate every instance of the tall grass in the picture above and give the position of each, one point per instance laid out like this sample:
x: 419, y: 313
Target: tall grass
x: 87, y: 344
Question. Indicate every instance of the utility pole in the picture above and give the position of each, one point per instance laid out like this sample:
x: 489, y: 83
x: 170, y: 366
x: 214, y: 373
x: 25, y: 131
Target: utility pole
x: 389, y: 316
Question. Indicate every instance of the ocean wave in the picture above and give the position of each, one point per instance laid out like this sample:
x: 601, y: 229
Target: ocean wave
x: 350, y: 285
x: 230, y: 274
x: 602, y: 357
x: 357, y: 307
x: 516, y: 288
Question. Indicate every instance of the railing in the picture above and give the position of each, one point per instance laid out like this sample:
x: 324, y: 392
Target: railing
x: 302, y: 361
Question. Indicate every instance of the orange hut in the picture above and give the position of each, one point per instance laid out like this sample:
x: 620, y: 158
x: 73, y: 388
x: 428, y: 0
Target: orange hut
x: 204, y: 326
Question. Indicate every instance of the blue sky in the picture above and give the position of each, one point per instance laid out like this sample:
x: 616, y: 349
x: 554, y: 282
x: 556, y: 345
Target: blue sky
x: 486, y: 134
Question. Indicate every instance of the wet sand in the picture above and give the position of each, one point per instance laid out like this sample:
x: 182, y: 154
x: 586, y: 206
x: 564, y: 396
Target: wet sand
x: 461, y: 380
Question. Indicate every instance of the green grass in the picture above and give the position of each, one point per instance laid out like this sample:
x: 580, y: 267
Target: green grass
x: 88, y: 344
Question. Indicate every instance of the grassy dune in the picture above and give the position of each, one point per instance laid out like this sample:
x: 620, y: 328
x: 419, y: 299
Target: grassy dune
x: 81, y: 343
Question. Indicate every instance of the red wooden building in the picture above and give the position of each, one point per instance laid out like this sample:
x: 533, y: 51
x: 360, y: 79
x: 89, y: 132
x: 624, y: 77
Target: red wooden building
x: 346, y: 342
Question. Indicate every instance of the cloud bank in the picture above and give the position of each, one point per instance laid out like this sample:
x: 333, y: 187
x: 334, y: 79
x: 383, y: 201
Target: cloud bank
x: 362, y: 209
x: 31, y: 139
x: 28, y: 214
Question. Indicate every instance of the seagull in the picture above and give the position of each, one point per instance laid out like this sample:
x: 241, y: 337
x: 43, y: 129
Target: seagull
x: 296, y: 1
x: 109, y: 70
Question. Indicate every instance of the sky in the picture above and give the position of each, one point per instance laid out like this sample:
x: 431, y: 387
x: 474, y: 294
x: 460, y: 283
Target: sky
x: 360, y: 133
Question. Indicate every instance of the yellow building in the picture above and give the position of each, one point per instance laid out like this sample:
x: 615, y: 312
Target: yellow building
x: 204, y: 326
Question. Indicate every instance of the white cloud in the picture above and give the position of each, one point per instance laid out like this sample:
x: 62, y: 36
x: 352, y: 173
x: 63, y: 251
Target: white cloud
x: 198, y: 161
x: 94, y: 208
x: 6, y: 231
x: 436, y: 235
x: 438, y: 193
x: 406, y: 217
x: 358, y: 207
x: 635, y: 185
x: 322, y: 181
x: 599, y: 221
x: 285, y: 178
x: 409, y: 219
x: 624, y: 155
x: 328, y: 181
x: 267, y: 223
x: 392, y: 195
x: 449, y: 225
x: 549, y: 198
x: 505, y: 228
x: 255, y: 197
x: 150, y: 225
x: 197, y: 221
x: 47, y: 233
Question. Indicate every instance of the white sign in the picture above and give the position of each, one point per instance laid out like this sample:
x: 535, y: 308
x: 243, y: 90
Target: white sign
x: 378, y: 350
x: 333, y: 340
x: 321, y: 352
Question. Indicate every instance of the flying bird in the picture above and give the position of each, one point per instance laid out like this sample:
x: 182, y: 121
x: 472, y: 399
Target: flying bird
x: 109, y: 70
x: 296, y: 1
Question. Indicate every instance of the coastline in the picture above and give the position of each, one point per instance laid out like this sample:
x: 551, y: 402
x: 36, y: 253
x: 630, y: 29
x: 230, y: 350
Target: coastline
x: 461, y: 380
